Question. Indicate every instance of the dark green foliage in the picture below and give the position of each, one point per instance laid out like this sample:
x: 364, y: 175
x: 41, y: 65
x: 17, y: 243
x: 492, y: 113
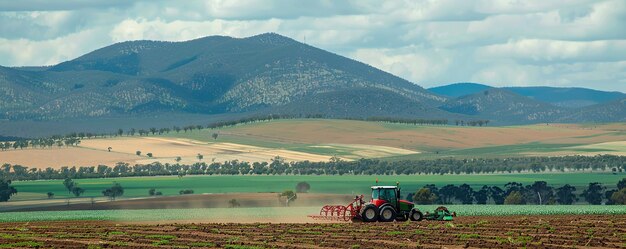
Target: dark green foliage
x: 424, y: 196
x: 186, y: 191
x: 594, y: 193
x: 303, y: 187
x: 6, y: 190
x: 464, y: 193
x: 114, y: 191
x: 357, y: 167
x: 77, y: 191
x: 497, y: 194
x: 621, y: 184
x: 514, y: 198
x: 482, y: 196
x: 565, y: 195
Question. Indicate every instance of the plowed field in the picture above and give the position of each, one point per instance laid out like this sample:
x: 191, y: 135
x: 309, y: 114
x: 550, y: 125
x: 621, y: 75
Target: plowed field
x: 602, y: 231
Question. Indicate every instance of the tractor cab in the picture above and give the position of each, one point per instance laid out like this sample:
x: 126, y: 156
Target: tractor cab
x: 387, y: 205
x: 385, y: 194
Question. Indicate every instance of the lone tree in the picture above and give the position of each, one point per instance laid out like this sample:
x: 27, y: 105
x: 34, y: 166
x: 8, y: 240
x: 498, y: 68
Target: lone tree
x: 303, y: 187
x: 69, y: 184
x: 6, y: 190
x: 200, y: 156
x: 233, y: 203
x: 424, y: 196
x: 152, y: 192
x: 178, y: 159
x: 287, y: 196
x: 77, y: 191
x: 114, y: 191
x: 149, y: 154
x: 109, y: 148
x: 50, y: 195
x: 593, y: 193
x: 214, y: 135
x: 138, y: 153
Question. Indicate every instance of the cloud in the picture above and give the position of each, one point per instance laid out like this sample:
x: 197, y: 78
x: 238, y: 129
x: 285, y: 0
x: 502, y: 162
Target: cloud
x: 571, y: 43
x: 551, y: 51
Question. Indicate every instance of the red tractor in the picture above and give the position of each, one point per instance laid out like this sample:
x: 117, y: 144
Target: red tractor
x: 385, y: 206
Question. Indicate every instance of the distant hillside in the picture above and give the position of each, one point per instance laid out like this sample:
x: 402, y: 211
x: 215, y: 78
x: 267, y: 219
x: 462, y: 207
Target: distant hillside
x: 614, y: 111
x: 459, y: 89
x: 220, y: 78
x: 568, y: 97
x: 364, y: 103
x: 505, y: 107
x: 210, y: 75
x: 571, y: 97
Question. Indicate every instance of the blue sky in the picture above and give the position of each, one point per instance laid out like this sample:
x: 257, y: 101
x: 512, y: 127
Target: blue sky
x: 502, y: 43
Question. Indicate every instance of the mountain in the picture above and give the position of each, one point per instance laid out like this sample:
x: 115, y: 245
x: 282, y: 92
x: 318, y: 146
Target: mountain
x: 459, y: 89
x: 364, y: 103
x: 155, y: 83
x: 614, y: 111
x: 504, y: 106
x: 210, y: 75
x: 571, y: 97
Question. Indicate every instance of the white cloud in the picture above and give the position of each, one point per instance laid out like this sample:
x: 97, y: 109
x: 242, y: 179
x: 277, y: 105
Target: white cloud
x: 547, y: 51
x: 430, y: 42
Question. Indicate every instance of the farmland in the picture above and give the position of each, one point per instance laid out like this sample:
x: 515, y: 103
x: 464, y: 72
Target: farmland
x: 286, y: 214
x: 320, y: 139
x: 605, y: 231
x: 347, y: 184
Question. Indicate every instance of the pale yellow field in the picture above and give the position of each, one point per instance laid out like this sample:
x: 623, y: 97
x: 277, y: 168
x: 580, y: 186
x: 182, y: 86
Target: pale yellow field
x: 319, y: 140
x: 93, y: 152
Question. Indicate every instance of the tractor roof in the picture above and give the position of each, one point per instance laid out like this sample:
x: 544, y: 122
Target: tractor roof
x: 385, y: 187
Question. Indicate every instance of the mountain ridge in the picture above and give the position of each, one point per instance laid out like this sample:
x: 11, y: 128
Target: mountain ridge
x: 266, y: 73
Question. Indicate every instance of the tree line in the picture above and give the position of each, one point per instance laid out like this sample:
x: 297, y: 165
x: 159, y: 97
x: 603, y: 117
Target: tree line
x: 335, y: 166
x: 514, y: 193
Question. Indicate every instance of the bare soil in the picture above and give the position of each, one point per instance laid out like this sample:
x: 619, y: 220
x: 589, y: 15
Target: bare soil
x: 197, y: 201
x: 602, y: 231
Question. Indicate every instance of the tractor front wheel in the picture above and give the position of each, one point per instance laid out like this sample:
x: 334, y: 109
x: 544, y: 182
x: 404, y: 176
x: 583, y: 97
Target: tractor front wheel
x: 416, y: 215
x: 369, y: 213
x: 387, y: 214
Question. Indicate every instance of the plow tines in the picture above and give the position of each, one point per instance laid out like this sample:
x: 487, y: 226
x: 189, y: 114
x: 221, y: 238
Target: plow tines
x: 339, y: 212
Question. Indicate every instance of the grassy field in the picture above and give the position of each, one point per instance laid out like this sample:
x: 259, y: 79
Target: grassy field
x: 337, y: 137
x: 348, y: 184
x: 321, y: 139
x: 282, y: 214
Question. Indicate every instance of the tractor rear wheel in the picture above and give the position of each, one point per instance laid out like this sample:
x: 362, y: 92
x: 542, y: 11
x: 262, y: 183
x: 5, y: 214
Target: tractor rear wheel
x: 416, y: 215
x: 369, y: 213
x: 387, y: 214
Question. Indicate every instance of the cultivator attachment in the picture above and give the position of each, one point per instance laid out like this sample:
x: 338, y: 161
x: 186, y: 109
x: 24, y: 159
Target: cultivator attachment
x: 339, y: 212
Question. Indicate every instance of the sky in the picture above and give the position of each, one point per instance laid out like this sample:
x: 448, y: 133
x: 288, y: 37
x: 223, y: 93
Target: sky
x: 574, y: 43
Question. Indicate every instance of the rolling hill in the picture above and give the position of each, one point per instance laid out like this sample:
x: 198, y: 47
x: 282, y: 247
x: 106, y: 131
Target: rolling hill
x: 208, y: 75
x: 504, y: 106
x: 219, y: 76
x: 571, y: 97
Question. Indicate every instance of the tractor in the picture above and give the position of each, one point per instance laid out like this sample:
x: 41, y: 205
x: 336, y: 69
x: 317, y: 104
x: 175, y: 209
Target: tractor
x: 385, y: 206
